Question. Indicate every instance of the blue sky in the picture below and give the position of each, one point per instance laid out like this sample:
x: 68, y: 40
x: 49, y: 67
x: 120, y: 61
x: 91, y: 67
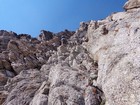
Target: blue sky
x: 31, y: 16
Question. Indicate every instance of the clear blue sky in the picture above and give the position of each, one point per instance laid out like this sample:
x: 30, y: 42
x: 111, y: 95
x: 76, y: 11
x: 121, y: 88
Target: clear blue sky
x: 31, y: 16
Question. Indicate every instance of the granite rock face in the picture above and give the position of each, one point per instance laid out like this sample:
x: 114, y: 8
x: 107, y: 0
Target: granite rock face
x: 131, y: 4
x: 98, y: 64
x: 117, y: 54
x: 49, y: 72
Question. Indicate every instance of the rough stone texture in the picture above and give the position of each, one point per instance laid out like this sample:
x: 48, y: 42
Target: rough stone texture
x: 118, y: 57
x: 66, y: 71
x: 131, y: 4
x: 3, y: 96
x: 66, y: 86
x: 5, y: 38
x: 22, y: 87
x: 99, y: 64
x: 45, y: 35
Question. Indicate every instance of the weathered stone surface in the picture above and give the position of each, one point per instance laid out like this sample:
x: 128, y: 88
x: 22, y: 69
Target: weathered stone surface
x: 96, y: 65
x: 66, y: 86
x: 22, y: 88
x: 3, y: 79
x: 117, y: 54
x: 41, y: 96
x: 5, y: 37
x: 131, y: 4
x: 21, y: 56
x: 92, y: 97
x: 45, y: 35
x: 3, y: 96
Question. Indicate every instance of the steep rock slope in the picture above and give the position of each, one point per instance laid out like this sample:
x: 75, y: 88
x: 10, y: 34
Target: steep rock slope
x: 115, y: 44
x: 99, y: 64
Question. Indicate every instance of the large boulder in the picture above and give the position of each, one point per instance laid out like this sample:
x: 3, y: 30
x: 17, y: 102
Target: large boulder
x: 131, y: 4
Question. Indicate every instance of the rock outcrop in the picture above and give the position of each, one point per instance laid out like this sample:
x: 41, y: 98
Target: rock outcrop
x: 99, y: 64
x: 131, y: 4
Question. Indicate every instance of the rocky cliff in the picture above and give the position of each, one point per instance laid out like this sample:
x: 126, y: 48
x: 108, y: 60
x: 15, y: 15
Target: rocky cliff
x: 99, y: 64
